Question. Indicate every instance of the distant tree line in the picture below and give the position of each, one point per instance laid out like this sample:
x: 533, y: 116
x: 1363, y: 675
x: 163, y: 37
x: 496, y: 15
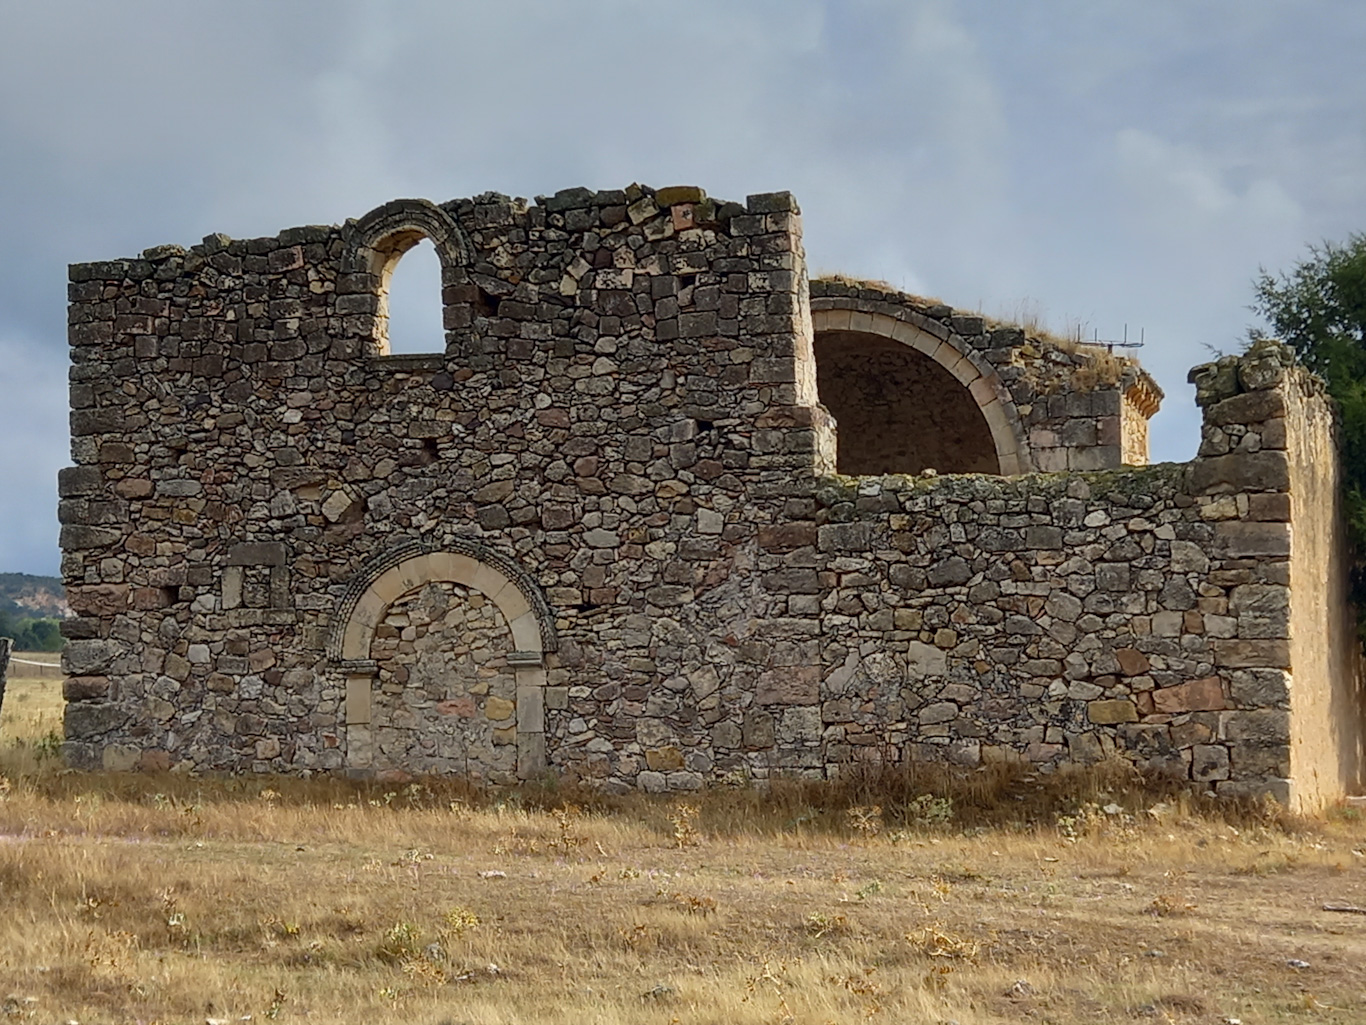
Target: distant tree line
x: 30, y: 633
x: 23, y: 599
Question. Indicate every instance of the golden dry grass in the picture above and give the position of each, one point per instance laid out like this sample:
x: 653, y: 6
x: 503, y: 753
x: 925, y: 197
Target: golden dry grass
x: 169, y: 899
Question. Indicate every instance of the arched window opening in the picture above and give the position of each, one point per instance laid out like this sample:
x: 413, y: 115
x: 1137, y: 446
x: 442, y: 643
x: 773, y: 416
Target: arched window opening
x: 411, y: 310
x: 898, y: 410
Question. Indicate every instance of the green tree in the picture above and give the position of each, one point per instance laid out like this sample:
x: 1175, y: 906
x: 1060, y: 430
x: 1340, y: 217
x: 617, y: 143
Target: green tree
x: 1318, y: 308
x: 31, y: 634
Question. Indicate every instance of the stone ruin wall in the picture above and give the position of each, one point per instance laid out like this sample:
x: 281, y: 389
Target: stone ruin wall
x: 618, y: 481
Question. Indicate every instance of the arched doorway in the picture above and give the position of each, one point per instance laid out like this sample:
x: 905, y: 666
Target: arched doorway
x: 444, y: 658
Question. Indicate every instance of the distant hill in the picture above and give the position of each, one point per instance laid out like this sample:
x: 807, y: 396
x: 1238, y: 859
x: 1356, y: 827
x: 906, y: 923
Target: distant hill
x: 31, y: 611
x: 25, y: 596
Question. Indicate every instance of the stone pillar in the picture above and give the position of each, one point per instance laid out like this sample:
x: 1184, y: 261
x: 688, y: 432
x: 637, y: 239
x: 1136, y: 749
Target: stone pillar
x: 1267, y: 477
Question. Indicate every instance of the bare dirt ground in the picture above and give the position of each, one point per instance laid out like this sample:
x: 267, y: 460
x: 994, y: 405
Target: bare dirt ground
x: 170, y: 899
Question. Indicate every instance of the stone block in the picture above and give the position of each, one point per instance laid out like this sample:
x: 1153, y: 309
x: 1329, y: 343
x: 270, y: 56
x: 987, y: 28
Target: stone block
x: 99, y: 600
x: 1247, y: 408
x: 937, y: 712
x: 847, y: 537
x: 1252, y: 654
x: 949, y: 572
x: 1257, y: 726
x: 531, y: 755
x: 76, y: 537
x: 787, y: 536
x: 1203, y: 695
x: 757, y: 731
x: 499, y: 709
x: 1272, y: 506
x: 87, y: 720
x: 84, y: 688
x: 1110, y: 712
x: 1132, y: 662
x: 1238, y: 539
x: 652, y: 782
x: 792, y: 685
x: 75, y: 481
x: 257, y: 553
x: 925, y: 661
x: 1209, y: 762
x: 1240, y: 471
x: 1251, y: 759
x: 664, y: 759
x: 1259, y: 688
x: 88, y: 657
x: 1085, y: 748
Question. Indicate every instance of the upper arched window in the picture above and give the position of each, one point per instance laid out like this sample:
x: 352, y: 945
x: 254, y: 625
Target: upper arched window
x: 404, y: 260
x: 410, y: 314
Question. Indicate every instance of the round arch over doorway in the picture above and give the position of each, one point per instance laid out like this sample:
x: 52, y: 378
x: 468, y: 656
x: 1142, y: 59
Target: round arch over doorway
x: 471, y: 565
x: 977, y: 377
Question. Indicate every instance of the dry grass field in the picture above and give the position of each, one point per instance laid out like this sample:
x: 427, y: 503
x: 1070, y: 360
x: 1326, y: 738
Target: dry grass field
x: 1015, y: 899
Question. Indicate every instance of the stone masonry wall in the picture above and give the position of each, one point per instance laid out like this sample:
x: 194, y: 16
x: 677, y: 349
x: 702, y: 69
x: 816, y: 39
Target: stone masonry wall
x: 627, y: 559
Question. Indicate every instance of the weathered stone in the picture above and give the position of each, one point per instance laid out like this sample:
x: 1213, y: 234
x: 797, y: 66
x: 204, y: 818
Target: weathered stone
x: 924, y: 660
x: 1206, y: 694
x: 88, y: 657
x: 1132, y: 662
x: 664, y: 759
x: 613, y: 495
x: 1241, y: 540
x: 85, y: 688
x: 792, y: 685
x: 1118, y: 710
x: 939, y: 711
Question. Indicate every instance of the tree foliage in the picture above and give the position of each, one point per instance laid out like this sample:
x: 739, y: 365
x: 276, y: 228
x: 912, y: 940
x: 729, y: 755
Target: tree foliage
x: 1318, y: 308
x: 31, y: 633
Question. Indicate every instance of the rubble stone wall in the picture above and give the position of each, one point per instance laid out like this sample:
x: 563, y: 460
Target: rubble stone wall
x: 601, y: 533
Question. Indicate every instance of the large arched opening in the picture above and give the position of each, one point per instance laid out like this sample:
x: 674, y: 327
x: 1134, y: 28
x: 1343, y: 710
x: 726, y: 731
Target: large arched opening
x: 898, y: 410
x: 907, y: 401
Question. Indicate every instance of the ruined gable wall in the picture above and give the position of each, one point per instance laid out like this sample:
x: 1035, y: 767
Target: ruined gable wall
x: 617, y: 410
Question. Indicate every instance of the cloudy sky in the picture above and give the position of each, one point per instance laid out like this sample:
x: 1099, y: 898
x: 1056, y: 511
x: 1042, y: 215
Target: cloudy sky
x: 1081, y: 162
